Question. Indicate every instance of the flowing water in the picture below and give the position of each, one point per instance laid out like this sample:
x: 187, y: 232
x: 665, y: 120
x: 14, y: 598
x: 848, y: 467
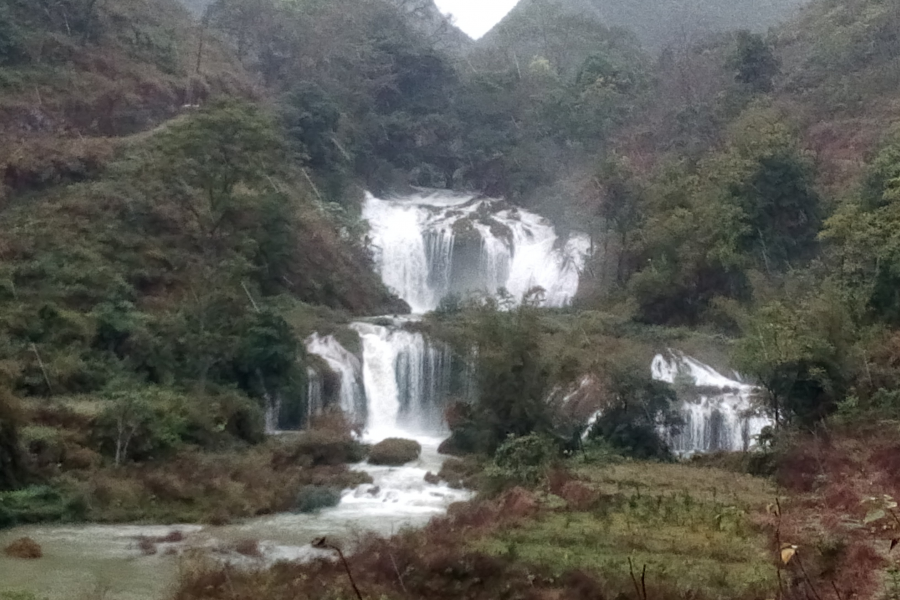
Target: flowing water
x: 82, y: 560
x: 719, y: 412
x: 431, y: 245
x: 396, y: 389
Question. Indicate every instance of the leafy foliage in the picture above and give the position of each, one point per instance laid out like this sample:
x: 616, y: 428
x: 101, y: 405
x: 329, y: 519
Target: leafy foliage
x: 639, y: 411
x: 524, y: 460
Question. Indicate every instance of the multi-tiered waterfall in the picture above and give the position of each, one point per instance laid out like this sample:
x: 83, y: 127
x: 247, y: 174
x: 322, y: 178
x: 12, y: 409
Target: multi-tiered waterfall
x: 429, y: 246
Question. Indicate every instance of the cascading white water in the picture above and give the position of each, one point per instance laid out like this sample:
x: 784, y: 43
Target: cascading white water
x: 352, y: 398
x: 407, y: 381
x: 315, y: 403
x: 722, y: 414
x: 424, y: 248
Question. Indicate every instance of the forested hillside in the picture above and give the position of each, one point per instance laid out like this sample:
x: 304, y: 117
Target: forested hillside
x: 657, y: 23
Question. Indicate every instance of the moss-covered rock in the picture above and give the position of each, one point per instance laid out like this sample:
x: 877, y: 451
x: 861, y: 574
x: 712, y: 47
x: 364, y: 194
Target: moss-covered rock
x: 394, y: 452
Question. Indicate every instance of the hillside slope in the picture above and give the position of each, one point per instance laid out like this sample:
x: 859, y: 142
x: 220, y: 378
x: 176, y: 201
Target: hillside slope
x: 658, y: 23
x: 148, y: 178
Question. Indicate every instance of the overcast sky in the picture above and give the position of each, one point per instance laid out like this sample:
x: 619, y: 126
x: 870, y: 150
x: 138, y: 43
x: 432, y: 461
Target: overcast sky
x: 476, y: 17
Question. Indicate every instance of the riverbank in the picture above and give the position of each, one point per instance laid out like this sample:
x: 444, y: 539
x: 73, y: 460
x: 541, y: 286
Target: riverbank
x: 691, y: 531
x: 118, y: 561
x: 822, y: 525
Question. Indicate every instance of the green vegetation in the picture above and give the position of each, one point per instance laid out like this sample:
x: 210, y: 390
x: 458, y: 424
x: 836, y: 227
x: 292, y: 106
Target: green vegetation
x: 693, y: 529
x: 312, y: 498
x: 658, y: 23
x: 691, y: 532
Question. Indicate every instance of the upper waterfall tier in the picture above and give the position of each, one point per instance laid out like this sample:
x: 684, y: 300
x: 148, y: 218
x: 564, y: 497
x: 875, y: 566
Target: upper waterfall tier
x: 428, y: 246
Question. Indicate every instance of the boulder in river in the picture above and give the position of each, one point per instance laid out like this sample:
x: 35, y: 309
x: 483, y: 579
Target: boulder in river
x: 394, y: 452
x: 25, y: 548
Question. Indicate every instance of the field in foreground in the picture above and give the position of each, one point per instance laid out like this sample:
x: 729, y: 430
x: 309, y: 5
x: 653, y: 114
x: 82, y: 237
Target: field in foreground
x: 594, y: 530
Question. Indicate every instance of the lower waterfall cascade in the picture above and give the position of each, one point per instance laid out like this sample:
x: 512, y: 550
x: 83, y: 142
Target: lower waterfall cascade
x: 720, y: 415
x: 351, y: 393
x: 398, y: 387
x: 429, y: 246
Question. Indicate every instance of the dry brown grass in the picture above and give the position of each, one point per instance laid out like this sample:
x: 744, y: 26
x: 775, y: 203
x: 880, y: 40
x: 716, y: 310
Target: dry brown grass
x: 828, y: 478
x: 454, y: 556
x: 25, y: 548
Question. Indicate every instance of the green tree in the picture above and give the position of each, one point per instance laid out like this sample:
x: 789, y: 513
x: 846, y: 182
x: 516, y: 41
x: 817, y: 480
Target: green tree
x: 802, y: 352
x: 754, y: 62
x: 640, y: 414
x: 211, y: 163
x: 864, y: 237
x: 511, y: 376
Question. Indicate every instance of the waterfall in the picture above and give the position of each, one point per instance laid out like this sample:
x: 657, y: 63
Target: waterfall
x: 315, y: 403
x: 350, y: 396
x: 720, y: 412
x: 273, y: 414
x: 407, y: 381
x: 398, y: 387
x: 428, y: 246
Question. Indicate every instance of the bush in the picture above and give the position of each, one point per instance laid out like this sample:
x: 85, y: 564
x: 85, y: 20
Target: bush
x: 394, y: 452
x: 39, y: 505
x: 635, y: 422
x: 322, y: 447
x: 461, y: 473
x: 524, y: 460
x: 313, y: 498
x: 24, y: 548
x: 146, y: 423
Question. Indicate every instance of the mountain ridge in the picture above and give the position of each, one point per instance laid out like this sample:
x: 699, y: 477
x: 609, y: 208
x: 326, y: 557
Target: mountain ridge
x: 658, y: 23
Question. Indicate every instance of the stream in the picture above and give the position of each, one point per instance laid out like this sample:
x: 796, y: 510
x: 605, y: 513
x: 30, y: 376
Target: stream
x: 86, y: 560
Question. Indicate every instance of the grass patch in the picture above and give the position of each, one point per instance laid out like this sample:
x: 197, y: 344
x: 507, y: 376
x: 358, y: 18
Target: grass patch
x: 208, y: 487
x: 692, y: 528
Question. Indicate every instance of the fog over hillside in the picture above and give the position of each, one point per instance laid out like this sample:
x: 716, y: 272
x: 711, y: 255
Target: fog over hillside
x: 423, y: 15
x: 661, y: 22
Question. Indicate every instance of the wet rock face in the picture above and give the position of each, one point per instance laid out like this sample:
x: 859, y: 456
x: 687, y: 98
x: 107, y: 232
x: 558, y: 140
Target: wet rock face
x: 395, y: 452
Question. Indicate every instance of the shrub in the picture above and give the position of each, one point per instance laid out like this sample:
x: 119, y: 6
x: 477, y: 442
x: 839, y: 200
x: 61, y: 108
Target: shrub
x: 24, y: 548
x: 313, y: 498
x: 38, y: 505
x: 524, y: 460
x: 394, y: 452
x: 635, y: 422
x: 461, y: 472
x: 322, y: 447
